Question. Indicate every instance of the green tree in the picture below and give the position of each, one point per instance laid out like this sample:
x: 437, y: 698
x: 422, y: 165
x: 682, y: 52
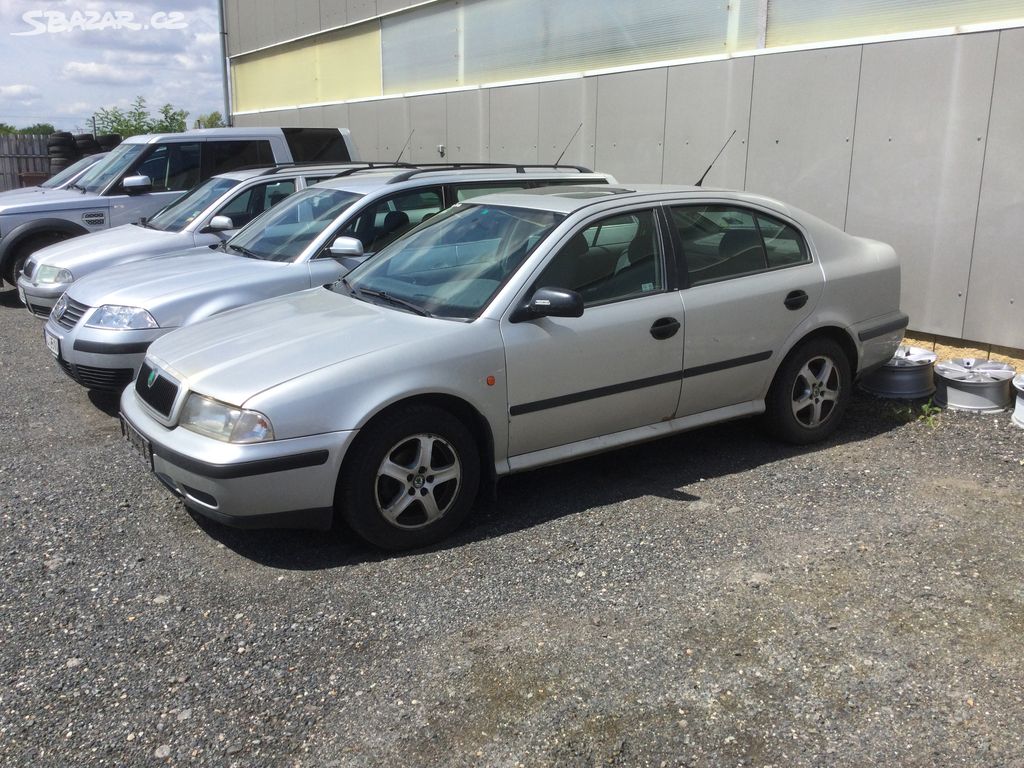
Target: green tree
x: 39, y: 129
x: 5, y: 128
x: 136, y: 119
x: 212, y: 120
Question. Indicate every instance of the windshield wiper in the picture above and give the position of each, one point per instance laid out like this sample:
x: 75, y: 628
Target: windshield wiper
x: 242, y: 250
x: 394, y: 300
x: 76, y: 185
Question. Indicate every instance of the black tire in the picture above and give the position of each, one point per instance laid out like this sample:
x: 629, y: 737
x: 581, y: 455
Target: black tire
x: 109, y: 140
x: 810, y: 392
x: 24, y: 250
x: 58, y: 164
x: 61, y: 135
x: 65, y: 152
x: 84, y: 137
x: 53, y: 144
x: 398, y: 439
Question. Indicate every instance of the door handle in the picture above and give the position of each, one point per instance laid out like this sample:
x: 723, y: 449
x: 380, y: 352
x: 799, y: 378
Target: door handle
x: 665, y: 328
x: 795, y: 299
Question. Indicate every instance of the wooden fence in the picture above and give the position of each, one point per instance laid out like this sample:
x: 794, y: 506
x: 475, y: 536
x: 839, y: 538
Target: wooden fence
x: 20, y: 154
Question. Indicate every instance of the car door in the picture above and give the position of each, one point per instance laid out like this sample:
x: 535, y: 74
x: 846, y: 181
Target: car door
x: 172, y: 168
x: 750, y: 281
x: 616, y: 367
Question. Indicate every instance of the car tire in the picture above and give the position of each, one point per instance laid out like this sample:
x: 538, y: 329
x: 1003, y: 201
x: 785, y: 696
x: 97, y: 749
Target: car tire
x: 26, y: 249
x: 392, y: 496
x: 810, y: 392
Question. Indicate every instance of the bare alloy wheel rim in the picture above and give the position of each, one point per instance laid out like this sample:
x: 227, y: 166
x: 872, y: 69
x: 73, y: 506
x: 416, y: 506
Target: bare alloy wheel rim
x: 816, y: 392
x: 418, y: 481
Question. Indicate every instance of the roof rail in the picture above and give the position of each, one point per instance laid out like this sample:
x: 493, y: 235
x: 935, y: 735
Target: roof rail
x: 283, y: 165
x: 421, y: 168
x: 374, y: 165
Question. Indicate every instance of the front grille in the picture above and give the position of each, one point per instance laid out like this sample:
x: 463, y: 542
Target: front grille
x: 72, y: 314
x: 30, y: 267
x: 158, y: 394
x: 113, y: 379
x: 37, y: 310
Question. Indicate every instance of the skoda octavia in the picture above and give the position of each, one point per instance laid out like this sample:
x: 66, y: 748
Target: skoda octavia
x: 513, y: 331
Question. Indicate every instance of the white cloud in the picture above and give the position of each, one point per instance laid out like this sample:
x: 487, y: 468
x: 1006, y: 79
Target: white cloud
x: 19, y: 92
x: 96, y: 72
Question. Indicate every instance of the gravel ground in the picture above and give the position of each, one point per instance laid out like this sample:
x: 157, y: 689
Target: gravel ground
x: 716, y: 599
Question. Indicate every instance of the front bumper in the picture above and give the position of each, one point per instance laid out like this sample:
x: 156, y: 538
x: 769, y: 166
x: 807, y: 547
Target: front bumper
x: 100, y: 358
x: 278, y: 484
x: 40, y: 298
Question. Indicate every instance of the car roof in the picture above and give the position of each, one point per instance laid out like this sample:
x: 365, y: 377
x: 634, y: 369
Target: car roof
x: 287, y: 169
x: 569, y: 199
x: 371, y: 179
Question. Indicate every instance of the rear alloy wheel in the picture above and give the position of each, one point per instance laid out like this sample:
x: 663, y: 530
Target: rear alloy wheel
x: 410, y: 479
x: 810, y: 392
x: 21, y: 254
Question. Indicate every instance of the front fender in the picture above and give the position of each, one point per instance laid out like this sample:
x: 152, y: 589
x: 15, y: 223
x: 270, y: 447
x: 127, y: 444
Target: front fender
x: 17, y: 236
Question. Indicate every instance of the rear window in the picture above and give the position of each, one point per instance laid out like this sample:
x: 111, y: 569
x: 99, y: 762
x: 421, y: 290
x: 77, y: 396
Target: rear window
x: 316, y: 144
x: 228, y: 155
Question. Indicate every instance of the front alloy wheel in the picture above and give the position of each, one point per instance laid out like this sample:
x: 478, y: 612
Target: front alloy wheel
x: 410, y: 478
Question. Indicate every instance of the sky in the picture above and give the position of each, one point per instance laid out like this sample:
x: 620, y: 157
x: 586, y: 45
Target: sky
x: 62, y: 61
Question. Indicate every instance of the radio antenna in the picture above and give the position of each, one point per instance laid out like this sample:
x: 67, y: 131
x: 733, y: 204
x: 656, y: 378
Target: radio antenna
x: 578, y: 128
x: 404, y: 146
x: 701, y: 179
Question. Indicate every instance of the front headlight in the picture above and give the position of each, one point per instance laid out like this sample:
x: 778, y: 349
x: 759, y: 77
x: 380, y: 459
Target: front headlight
x: 224, y: 422
x: 114, y: 316
x: 50, y: 274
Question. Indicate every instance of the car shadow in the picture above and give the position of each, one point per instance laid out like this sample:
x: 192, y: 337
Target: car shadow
x: 661, y: 469
x: 9, y: 298
x: 107, y: 402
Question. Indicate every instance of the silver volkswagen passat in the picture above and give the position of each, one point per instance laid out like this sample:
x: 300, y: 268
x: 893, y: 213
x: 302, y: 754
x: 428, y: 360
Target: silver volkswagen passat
x: 511, y: 332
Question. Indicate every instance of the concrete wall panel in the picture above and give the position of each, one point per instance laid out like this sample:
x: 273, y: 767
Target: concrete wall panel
x: 562, y: 106
x: 333, y: 13
x: 392, y: 127
x: 801, y: 128
x: 631, y: 125
x: 921, y: 124
x: 427, y: 118
x: 707, y: 102
x: 360, y: 10
x: 362, y: 117
x: 467, y: 126
x: 995, y: 298
x: 336, y: 116
x: 514, y: 124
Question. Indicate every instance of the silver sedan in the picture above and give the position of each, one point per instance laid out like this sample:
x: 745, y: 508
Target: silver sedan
x: 507, y: 333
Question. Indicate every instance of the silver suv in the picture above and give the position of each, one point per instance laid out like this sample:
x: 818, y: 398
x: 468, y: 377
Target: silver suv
x: 143, y: 174
x: 207, y: 215
x: 100, y: 328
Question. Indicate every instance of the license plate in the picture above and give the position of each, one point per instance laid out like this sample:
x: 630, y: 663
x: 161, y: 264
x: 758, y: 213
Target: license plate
x: 137, y: 441
x: 52, y: 343
x: 21, y: 295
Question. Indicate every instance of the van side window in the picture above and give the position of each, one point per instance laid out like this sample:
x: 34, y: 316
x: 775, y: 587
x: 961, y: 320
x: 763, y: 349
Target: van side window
x: 228, y: 155
x: 171, y: 167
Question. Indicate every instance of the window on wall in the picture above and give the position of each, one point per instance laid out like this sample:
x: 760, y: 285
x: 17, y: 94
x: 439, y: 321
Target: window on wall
x: 792, y: 22
x: 477, y: 41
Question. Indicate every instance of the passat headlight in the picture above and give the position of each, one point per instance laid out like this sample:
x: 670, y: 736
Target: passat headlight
x: 224, y: 422
x: 49, y: 274
x: 114, y: 316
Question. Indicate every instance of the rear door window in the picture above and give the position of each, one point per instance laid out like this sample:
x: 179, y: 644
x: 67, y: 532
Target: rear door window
x: 255, y: 200
x: 386, y: 220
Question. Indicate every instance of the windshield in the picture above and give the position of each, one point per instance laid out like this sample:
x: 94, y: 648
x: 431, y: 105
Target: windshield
x: 454, y: 264
x: 183, y: 211
x: 283, y: 233
x: 71, y: 171
x: 105, y: 171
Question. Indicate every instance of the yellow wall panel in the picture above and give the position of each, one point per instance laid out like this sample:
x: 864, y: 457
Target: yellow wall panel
x: 330, y: 67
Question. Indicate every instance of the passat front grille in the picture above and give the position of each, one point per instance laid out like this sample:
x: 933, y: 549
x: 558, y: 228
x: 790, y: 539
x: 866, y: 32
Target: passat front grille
x: 37, y: 310
x: 156, y: 390
x: 72, y: 314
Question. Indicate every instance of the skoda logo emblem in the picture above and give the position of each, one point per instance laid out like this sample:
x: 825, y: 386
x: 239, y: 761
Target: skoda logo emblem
x: 151, y: 378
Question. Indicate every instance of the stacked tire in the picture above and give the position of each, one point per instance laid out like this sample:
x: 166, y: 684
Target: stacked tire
x: 66, y: 148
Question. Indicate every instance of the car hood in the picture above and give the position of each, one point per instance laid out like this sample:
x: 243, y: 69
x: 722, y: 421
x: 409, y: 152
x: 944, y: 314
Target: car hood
x: 41, y: 198
x: 183, y: 275
x: 89, y: 253
x: 241, y: 353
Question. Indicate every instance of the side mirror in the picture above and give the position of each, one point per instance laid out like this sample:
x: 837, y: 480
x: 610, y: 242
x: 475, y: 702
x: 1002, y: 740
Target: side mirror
x: 220, y: 224
x: 135, y: 184
x: 347, y: 251
x: 549, y: 302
